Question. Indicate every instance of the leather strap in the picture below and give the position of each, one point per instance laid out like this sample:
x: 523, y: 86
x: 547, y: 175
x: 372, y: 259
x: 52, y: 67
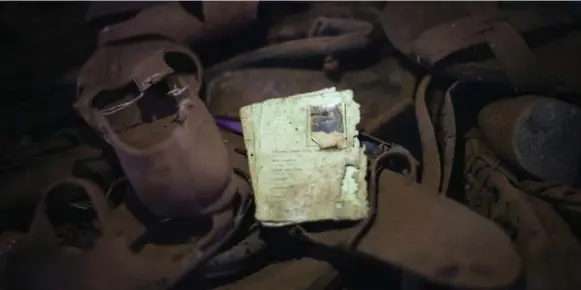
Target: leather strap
x: 501, y: 30
x: 447, y: 123
x: 431, y: 167
x: 552, y: 190
x: 438, y: 146
x: 441, y: 41
x: 514, y: 56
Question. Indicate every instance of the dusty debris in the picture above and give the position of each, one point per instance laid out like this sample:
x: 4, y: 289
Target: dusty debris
x: 306, y: 162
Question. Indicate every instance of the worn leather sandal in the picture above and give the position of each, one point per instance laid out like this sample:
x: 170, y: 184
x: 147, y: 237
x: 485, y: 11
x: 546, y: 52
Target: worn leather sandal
x: 491, y: 42
x: 414, y: 228
x: 436, y: 123
x: 129, y: 254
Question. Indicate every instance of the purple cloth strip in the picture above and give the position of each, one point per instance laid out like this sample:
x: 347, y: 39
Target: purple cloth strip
x: 233, y: 125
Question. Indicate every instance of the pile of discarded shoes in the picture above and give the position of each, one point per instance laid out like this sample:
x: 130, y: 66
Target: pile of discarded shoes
x: 179, y: 211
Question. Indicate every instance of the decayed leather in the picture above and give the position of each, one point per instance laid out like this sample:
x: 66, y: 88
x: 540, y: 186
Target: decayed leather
x: 299, y: 274
x: 432, y: 32
x: 190, y: 173
x: 327, y: 37
x: 565, y: 199
x: 111, y: 264
x: 404, y: 22
x: 384, y: 91
x: 552, y: 190
x: 39, y: 254
x: 443, y: 118
x: 173, y: 21
x: 437, y: 128
x: 429, y: 235
x: 432, y: 236
x: 186, y: 174
x: 432, y: 169
x: 551, y: 254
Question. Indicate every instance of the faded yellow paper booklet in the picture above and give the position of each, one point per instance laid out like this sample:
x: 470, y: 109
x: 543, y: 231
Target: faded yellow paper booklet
x: 305, y: 159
